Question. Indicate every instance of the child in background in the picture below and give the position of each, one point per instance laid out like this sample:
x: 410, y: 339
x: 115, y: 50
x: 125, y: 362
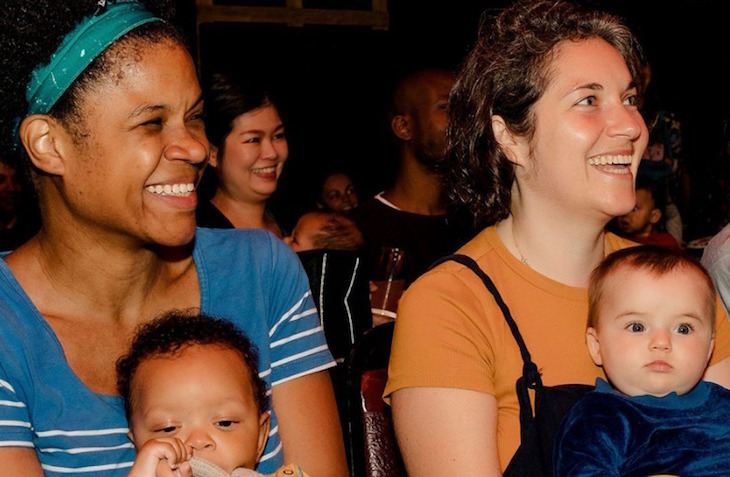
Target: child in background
x: 642, y: 223
x: 194, y: 401
x: 321, y: 229
x: 651, y: 327
x: 337, y: 193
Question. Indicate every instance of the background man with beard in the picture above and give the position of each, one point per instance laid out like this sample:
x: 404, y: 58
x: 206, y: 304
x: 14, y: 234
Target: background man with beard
x: 413, y: 214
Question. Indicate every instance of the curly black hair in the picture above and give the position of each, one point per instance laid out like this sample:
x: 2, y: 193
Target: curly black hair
x: 505, y: 74
x: 176, y: 330
x: 30, y: 32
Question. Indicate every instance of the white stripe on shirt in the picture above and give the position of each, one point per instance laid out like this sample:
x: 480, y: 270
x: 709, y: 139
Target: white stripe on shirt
x: 91, y: 468
x: 291, y: 311
x: 296, y: 336
x: 93, y: 432
x: 16, y: 444
x: 311, y: 311
x: 329, y: 365
x: 271, y: 454
x: 6, y: 385
x: 84, y: 450
x: 15, y: 424
x: 12, y: 403
x: 297, y: 356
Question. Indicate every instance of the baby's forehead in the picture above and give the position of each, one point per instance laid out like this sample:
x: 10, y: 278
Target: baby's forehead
x: 626, y: 274
x: 212, y: 348
x: 629, y: 268
x: 214, y: 351
x: 193, y: 359
x: 313, y: 220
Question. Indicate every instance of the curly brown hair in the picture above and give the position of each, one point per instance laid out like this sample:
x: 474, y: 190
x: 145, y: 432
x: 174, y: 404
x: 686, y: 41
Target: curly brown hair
x: 505, y: 74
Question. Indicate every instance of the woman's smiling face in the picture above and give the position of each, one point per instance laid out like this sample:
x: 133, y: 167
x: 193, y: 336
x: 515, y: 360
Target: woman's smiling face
x: 589, y: 136
x: 253, y: 156
x: 134, y: 168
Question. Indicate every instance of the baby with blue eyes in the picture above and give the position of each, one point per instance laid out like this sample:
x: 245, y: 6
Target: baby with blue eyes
x: 195, y: 403
x: 651, y: 327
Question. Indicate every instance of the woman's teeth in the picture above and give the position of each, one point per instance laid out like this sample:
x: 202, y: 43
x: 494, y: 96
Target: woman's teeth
x: 609, y: 160
x: 171, y: 189
x: 264, y: 170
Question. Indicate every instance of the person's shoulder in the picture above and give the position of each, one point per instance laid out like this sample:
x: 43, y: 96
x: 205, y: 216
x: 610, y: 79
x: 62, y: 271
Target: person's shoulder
x: 616, y: 242
x: 479, y: 249
x: 369, y: 207
x: 237, y: 246
x: 718, y: 246
x: 233, y: 237
x: 209, y: 216
x: 716, y: 390
x: 12, y: 294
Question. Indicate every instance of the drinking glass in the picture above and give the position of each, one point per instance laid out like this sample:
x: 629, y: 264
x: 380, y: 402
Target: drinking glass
x: 389, y: 282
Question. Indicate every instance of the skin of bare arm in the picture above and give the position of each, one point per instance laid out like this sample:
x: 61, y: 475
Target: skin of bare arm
x: 456, y: 429
x: 20, y: 462
x: 309, y: 426
x: 719, y: 373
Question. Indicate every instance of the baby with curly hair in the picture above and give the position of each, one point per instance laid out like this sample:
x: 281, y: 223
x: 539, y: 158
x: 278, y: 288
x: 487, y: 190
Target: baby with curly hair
x: 195, y: 403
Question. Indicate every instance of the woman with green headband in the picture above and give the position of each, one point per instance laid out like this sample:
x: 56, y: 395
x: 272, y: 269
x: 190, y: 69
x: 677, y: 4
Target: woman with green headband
x: 102, y: 108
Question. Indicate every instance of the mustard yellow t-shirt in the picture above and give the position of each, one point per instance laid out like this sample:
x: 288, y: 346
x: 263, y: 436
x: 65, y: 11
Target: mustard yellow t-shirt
x: 451, y: 333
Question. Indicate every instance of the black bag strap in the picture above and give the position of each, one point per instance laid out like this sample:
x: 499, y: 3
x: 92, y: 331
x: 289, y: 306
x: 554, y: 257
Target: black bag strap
x: 537, y: 430
x: 529, y: 370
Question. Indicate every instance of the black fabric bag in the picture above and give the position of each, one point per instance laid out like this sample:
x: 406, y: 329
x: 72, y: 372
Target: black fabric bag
x: 534, y: 457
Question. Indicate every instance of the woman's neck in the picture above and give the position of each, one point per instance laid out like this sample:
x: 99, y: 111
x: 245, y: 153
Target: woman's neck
x: 80, y: 276
x: 563, y: 251
x: 242, y: 214
x: 245, y: 215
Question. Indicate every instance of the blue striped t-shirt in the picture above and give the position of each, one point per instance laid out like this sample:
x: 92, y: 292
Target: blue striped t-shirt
x: 247, y: 276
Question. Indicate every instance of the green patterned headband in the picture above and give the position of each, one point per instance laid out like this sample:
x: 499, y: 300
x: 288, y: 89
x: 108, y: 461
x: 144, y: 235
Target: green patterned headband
x: 91, y: 37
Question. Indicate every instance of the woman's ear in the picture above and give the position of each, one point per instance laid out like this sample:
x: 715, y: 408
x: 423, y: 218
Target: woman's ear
x: 44, y: 140
x: 213, y: 161
x: 511, y: 145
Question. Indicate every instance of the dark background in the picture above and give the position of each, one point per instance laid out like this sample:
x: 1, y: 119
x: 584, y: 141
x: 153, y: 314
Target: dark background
x: 335, y: 81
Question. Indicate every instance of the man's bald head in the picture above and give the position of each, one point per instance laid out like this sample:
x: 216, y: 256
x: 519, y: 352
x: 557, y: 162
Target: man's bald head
x: 418, y: 114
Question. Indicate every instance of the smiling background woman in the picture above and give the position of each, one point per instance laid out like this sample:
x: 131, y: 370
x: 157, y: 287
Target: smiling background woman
x: 102, y: 106
x: 249, y: 148
x: 545, y: 139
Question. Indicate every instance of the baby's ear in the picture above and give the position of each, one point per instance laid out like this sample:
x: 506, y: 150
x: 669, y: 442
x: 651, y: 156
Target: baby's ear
x: 264, y: 425
x: 655, y: 215
x: 712, y: 347
x: 594, y: 347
